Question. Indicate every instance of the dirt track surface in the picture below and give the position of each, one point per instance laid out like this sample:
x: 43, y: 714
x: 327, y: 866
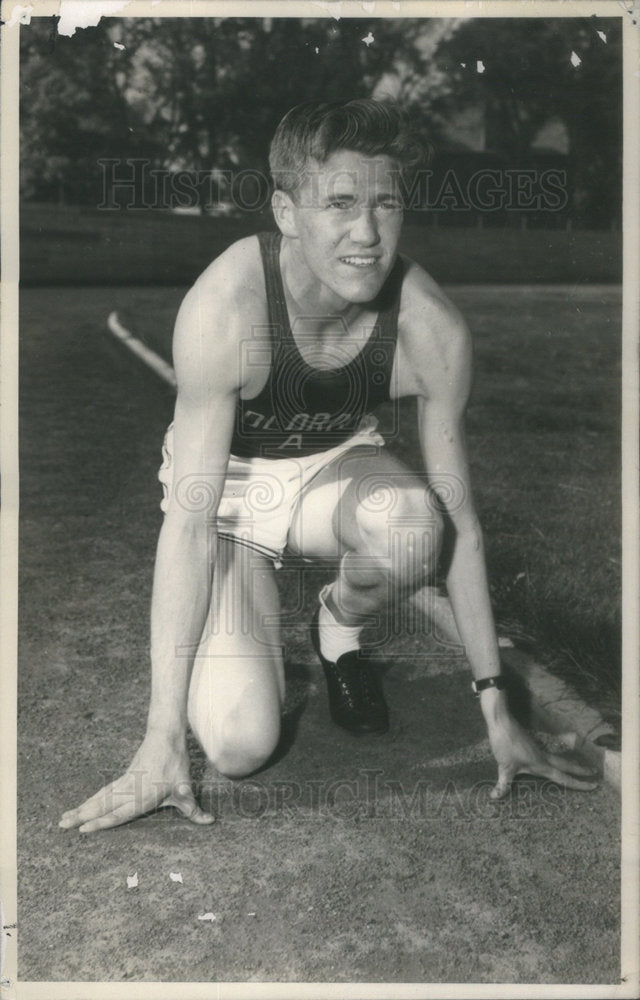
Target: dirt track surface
x: 373, y: 860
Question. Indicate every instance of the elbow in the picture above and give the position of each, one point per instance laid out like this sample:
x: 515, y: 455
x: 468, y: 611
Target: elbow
x: 181, y: 529
x: 476, y: 540
x: 194, y: 497
x: 470, y: 534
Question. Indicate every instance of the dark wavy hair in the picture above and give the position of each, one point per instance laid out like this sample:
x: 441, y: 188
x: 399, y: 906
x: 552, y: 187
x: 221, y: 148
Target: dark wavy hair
x: 317, y: 129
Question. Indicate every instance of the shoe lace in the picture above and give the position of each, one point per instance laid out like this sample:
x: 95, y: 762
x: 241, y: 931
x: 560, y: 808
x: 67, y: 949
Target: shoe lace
x: 357, y: 685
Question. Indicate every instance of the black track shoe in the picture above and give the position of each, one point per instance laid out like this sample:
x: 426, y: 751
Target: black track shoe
x: 356, y: 701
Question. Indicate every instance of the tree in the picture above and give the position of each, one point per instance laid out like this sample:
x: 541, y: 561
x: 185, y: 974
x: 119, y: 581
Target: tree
x: 524, y: 71
x: 205, y: 94
x: 220, y: 85
x: 200, y: 93
x: 73, y: 111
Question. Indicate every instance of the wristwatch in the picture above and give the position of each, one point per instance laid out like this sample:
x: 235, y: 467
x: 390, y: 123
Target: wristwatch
x: 499, y: 682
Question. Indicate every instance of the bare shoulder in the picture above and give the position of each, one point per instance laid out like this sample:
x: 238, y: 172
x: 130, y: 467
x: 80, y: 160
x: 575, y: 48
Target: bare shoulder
x: 433, y: 335
x: 232, y: 285
x: 428, y: 316
x: 237, y: 271
x: 221, y: 306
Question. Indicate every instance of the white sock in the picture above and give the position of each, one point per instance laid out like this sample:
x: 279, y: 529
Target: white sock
x: 335, y: 639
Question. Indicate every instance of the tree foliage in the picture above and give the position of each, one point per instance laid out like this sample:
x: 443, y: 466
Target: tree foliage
x: 534, y: 70
x: 216, y: 88
x: 205, y: 93
x: 192, y: 93
x: 72, y: 111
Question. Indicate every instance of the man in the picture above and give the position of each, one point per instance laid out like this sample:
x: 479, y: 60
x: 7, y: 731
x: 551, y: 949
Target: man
x: 281, y: 349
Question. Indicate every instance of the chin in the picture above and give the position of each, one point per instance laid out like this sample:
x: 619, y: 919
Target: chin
x: 361, y: 298
x: 364, y: 290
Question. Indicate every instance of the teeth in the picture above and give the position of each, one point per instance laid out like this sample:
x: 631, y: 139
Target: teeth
x: 361, y: 261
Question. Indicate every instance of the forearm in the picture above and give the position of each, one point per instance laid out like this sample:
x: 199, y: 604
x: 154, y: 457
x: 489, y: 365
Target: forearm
x: 514, y: 750
x: 180, y: 604
x: 469, y: 594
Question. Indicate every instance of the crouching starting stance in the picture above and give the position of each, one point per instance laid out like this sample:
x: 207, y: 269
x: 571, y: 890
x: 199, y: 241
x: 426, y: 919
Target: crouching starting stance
x: 283, y: 349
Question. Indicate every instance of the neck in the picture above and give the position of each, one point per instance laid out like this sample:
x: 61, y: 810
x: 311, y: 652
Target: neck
x: 307, y: 295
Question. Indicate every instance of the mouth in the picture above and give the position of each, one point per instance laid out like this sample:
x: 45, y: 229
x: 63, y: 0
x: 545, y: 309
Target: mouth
x: 359, y: 261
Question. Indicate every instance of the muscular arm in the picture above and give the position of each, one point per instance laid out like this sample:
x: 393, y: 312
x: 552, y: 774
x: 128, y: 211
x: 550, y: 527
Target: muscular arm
x: 441, y: 358
x: 206, y: 359
x: 440, y: 416
x: 435, y: 366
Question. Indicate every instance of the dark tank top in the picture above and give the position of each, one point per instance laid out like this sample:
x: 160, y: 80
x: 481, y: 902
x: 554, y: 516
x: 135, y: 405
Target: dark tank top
x: 301, y: 409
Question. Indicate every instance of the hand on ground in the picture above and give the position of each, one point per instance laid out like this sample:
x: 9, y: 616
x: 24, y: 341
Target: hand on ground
x: 158, y: 776
x: 517, y: 753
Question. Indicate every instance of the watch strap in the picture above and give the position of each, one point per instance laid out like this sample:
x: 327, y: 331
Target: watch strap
x: 499, y: 682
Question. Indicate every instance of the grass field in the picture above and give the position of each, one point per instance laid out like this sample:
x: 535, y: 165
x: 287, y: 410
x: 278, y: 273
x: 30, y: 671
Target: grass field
x: 73, y: 246
x: 345, y: 860
x: 544, y: 431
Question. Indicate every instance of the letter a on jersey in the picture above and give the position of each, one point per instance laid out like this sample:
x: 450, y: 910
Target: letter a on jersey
x: 293, y: 441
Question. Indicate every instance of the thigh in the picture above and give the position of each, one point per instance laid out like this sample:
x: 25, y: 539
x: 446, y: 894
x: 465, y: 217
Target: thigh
x: 238, y: 669
x: 330, y: 513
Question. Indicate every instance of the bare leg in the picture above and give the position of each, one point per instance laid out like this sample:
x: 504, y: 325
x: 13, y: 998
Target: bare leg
x: 237, y: 686
x: 377, y: 518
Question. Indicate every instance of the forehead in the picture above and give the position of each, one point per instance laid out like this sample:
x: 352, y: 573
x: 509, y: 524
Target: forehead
x: 349, y: 172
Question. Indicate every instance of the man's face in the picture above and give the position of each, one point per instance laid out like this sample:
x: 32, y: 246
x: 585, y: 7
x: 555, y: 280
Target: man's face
x: 347, y: 217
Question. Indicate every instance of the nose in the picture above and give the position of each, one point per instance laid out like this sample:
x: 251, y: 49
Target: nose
x: 364, y: 230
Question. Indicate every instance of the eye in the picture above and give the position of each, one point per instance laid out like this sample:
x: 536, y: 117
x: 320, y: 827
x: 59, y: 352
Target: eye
x: 342, y: 205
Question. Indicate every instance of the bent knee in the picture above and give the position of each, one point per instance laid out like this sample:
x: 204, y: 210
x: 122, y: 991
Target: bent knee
x: 240, y: 748
x: 238, y: 757
x: 407, y: 530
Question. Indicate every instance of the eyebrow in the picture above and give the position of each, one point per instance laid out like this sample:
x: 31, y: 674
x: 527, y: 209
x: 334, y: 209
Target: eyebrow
x: 349, y: 196
x: 340, y: 196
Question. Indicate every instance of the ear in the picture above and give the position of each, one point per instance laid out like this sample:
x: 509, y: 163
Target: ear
x: 284, y: 212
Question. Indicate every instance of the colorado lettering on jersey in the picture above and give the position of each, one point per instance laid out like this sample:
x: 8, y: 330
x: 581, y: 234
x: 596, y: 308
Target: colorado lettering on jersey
x: 298, y: 422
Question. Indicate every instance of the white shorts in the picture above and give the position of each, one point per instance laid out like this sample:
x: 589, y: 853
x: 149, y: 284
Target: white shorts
x: 261, y: 494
